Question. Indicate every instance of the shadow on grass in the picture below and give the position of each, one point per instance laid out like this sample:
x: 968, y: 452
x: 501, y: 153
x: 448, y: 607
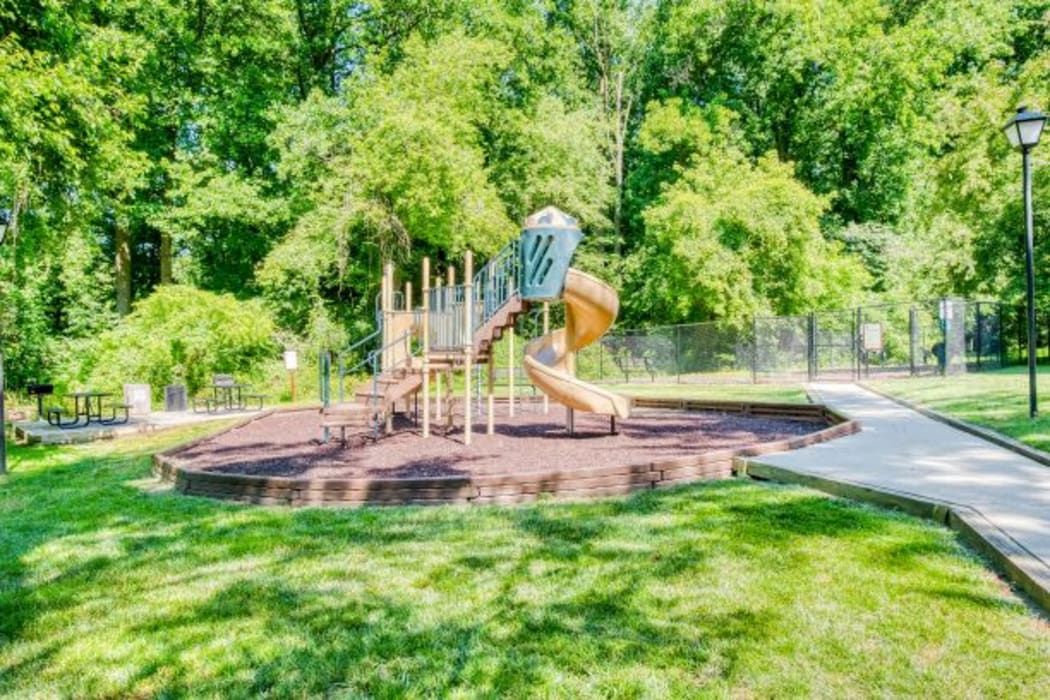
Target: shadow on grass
x: 497, y: 600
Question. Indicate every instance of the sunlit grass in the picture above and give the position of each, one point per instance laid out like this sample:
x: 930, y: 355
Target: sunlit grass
x: 995, y: 399
x: 109, y: 588
x: 789, y: 393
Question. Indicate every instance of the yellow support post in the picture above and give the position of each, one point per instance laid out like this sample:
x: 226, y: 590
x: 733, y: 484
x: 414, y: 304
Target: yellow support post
x: 388, y: 326
x: 442, y: 316
x: 468, y: 343
x: 426, y: 347
x: 437, y: 396
x: 546, y: 331
x: 570, y: 363
x: 510, y: 369
x: 492, y: 392
x: 510, y: 355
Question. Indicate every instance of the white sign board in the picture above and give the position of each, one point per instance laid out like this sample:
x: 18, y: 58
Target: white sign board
x: 871, y: 337
x: 291, y: 360
x: 138, y: 397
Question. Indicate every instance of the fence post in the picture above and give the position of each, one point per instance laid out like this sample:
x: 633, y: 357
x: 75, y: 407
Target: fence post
x: 913, y: 338
x: 1020, y: 335
x: 945, y: 320
x: 677, y: 353
x: 601, y: 361
x: 979, y: 336
x: 811, y: 346
x: 999, y: 335
x: 754, y: 350
x: 857, y: 344
x: 1048, y: 340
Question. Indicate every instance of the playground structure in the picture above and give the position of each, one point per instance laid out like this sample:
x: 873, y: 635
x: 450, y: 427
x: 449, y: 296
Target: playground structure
x: 428, y: 355
x: 455, y: 328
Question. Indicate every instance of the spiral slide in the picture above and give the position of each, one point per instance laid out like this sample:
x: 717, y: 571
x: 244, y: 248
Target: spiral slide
x: 590, y: 308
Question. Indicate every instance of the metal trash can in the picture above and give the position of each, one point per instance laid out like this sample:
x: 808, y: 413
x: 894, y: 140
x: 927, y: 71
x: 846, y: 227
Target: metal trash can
x: 174, y: 398
x: 40, y: 391
x: 548, y: 242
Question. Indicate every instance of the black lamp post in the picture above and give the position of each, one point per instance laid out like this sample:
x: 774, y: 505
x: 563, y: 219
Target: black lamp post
x: 1024, y: 130
x: 3, y: 418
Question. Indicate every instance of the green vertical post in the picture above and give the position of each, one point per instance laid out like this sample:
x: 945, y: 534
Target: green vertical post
x: 324, y: 385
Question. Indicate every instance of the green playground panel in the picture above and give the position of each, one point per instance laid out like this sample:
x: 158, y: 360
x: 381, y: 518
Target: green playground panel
x: 545, y: 257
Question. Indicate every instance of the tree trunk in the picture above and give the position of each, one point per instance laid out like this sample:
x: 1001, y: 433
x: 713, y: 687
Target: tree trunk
x: 165, y: 258
x: 123, y: 265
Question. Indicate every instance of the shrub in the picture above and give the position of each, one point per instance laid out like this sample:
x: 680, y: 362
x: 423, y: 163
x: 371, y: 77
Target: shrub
x: 181, y: 335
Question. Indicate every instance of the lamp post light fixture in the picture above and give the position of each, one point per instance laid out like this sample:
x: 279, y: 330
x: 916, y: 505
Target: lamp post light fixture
x: 1023, y: 130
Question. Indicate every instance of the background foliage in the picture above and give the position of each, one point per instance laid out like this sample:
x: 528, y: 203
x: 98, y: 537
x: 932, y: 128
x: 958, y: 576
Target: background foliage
x: 179, y: 335
x: 725, y: 157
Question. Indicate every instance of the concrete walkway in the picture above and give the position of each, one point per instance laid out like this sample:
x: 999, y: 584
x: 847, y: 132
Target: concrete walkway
x: 40, y: 431
x: 999, y: 500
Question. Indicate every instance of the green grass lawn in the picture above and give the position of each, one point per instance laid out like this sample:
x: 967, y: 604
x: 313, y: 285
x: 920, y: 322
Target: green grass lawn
x: 112, y: 586
x: 995, y: 399
x: 790, y: 393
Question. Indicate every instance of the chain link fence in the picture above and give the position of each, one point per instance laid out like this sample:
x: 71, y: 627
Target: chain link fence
x: 940, y: 336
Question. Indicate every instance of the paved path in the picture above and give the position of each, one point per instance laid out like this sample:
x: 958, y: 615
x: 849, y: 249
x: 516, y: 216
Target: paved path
x: 1001, y: 495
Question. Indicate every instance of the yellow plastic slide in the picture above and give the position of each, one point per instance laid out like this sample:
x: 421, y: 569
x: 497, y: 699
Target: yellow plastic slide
x: 590, y: 309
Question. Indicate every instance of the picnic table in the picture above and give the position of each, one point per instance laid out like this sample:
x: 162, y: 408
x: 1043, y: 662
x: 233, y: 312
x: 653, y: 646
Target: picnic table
x: 224, y: 395
x: 229, y: 395
x: 87, y: 405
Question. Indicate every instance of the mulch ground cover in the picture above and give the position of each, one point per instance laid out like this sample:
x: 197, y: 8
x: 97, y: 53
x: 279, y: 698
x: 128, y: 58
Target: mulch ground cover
x: 288, y: 444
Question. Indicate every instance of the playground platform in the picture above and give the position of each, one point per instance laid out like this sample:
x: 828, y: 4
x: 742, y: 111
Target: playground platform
x: 33, y: 432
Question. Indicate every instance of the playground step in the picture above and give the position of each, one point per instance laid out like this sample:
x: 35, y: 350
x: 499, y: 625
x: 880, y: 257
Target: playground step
x: 492, y: 330
x: 389, y: 391
x: 347, y: 415
x: 438, y: 364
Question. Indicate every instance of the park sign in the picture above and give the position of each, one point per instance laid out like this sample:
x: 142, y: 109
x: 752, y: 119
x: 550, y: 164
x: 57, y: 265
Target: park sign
x: 871, y: 337
x: 291, y: 360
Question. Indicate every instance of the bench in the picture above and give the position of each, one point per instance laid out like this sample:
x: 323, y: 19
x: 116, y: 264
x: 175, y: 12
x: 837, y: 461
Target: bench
x: 210, y: 404
x: 245, y: 398
x: 126, y: 407
x: 54, y: 417
x: 354, y: 416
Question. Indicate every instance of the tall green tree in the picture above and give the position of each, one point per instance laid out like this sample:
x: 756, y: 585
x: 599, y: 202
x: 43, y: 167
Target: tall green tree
x: 730, y: 237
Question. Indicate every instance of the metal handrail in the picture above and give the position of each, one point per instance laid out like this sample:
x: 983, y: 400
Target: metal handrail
x: 397, y: 303
x: 374, y: 357
x: 355, y: 346
x: 496, y: 283
x: 343, y: 371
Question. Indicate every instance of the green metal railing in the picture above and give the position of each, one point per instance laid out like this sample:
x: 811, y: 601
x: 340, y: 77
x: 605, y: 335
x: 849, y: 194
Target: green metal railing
x: 496, y: 283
